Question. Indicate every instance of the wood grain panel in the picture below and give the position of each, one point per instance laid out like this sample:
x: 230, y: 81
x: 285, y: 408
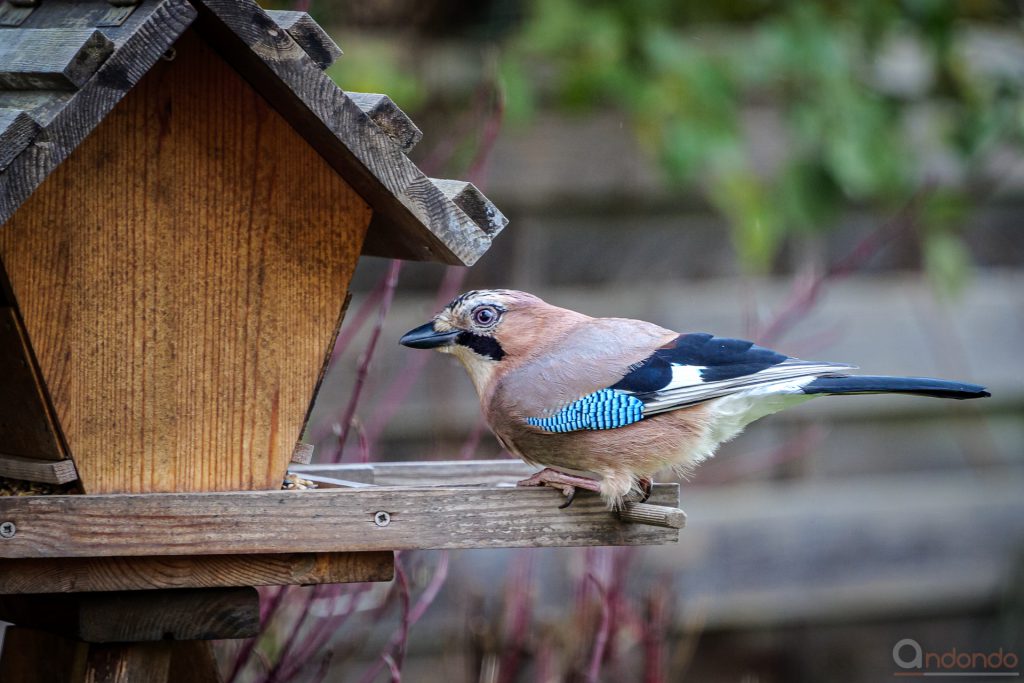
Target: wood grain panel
x: 327, y: 520
x: 77, y: 575
x: 180, y: 276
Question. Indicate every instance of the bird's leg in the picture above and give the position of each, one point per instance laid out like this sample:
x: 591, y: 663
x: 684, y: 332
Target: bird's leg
x: 646, y: 487
x: 566, y: 483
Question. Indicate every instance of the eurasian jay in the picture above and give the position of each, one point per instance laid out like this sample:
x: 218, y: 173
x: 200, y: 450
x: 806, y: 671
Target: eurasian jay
x: 622, y: 399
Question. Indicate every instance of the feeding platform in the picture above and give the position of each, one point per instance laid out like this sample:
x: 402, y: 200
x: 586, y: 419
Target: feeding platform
x: 184, y: 196
x: 380, y: 507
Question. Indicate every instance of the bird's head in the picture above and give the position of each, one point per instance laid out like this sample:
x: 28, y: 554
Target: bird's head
x: 484, y: 329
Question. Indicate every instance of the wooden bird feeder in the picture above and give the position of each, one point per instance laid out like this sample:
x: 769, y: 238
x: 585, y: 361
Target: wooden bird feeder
x: 184, y: 196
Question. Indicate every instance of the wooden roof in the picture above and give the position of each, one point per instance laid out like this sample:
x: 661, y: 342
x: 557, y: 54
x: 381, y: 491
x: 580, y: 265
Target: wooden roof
x: 65, y: 64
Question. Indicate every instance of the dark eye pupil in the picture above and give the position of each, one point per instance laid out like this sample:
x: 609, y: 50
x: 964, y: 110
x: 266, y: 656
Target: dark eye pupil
x: 484, y: 316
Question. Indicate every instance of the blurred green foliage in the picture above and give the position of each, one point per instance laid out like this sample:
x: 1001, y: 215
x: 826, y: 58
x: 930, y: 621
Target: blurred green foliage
x: 871, y: 100
x: 377, y: 69
x: 686, y: 74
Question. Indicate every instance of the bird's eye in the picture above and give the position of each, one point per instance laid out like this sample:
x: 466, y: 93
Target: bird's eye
x: 485, y: 315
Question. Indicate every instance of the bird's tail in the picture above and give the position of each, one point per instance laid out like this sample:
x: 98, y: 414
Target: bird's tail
x: 921, y: 386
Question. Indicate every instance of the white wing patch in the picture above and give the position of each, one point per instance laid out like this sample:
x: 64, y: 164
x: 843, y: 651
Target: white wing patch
x: 687, y: 387
x: 686, y: 375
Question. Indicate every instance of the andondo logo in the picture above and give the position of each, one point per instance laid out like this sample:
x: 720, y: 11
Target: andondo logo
x: 914, y: 660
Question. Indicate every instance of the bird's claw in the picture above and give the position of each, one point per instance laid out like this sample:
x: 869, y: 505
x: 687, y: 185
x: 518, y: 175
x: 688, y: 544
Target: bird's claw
x: 570, y: 495
x: 568, y: 484
x: 646, y: 487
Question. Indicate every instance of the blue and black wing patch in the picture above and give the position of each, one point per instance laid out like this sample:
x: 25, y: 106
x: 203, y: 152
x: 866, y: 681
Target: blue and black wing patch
x: 718, y: 358
x: 604, y: 409
x: 690, y: 369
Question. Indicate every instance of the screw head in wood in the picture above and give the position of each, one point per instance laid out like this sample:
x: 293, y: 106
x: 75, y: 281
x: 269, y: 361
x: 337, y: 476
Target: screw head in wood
x: 7, y: 529
x: 381, y: 518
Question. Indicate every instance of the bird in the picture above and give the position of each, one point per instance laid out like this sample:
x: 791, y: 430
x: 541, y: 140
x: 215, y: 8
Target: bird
x: 604, y: 404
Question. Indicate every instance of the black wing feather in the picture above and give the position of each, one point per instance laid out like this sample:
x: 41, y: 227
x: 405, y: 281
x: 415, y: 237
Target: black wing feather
x: 720, y: 357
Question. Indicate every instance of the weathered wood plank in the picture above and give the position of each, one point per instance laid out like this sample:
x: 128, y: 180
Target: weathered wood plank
x: 412, y: 218
x: 27, y: 425
x: 472, y: 201
x: 17, y: 130
x: 310, y: 36
x: 140, y: 616
x: 40, y: 105
x: 51, y: 59
x: 466, y: 472
x: 76, y: 575
x: 116, y: 17
x: 193, y: 367
x: 389, y: 118
x: 327, y: 520
x: 15, y: 15
x: 45, y: 471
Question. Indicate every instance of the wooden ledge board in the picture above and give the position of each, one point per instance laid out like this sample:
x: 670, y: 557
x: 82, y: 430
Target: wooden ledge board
x: 330, y: 520
x: 88, y: 574
x: 45, y: 471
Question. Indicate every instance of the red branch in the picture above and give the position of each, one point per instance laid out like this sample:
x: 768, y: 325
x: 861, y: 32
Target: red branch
x: 603, y: 629
x: 399, y: 389
x: 655, y: 625
x: 245, y: 653
x: 518, y: 611
x: 395, y: 649
x: 391, y: 283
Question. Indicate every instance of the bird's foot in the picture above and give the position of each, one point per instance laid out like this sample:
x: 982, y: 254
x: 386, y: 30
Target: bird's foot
x: 646, y: 487
x: 566, y: 483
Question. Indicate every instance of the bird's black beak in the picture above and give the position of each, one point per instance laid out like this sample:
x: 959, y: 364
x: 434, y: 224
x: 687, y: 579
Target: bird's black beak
x: 426, y: 337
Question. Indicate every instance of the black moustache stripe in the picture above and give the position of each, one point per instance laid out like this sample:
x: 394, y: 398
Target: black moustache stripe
x: 484, y: 346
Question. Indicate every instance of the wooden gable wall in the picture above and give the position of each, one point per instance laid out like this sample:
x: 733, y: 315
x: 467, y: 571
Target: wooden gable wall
x: 181, y: 277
